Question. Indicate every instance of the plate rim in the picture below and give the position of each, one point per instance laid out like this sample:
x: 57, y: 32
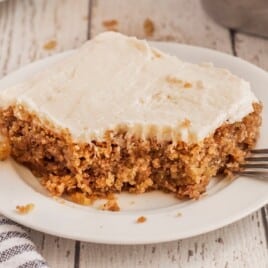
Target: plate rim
x: 210, y: 227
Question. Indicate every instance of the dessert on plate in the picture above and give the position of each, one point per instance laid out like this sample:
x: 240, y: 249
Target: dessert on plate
x: 118, y: 115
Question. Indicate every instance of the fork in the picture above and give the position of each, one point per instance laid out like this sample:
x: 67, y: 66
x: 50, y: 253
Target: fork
x: 256, y: 164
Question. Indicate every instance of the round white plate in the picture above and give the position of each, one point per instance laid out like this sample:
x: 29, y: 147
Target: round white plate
x: 167, y: 218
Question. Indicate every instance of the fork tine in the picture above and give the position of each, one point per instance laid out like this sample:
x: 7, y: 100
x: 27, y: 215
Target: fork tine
x: 255, y: 174
x: 256, y: 159
x: 254, y: 165
x: 259, y: 151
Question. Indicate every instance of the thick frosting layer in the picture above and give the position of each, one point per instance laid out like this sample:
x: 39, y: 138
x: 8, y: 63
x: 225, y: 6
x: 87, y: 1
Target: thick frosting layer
x: 114, y: 81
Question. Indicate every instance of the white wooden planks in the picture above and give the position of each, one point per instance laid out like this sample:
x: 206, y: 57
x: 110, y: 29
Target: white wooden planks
x: 174, y: 20
x: 26, y: 26
x: 253, y: 49
x: 239, y: 245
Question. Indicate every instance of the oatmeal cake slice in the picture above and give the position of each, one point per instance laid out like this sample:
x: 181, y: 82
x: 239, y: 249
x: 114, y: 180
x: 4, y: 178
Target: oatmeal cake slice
x: 118, y: 115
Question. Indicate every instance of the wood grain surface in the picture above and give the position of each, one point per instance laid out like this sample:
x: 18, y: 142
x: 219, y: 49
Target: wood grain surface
x: 28, y: 26
x: 33, y: 29
x: 179, y: 21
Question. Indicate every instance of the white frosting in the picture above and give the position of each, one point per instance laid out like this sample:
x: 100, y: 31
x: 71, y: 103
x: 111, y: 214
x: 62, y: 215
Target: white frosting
x: 114, y: 81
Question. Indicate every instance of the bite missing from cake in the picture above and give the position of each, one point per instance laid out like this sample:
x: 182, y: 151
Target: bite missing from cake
x: 118, y: 115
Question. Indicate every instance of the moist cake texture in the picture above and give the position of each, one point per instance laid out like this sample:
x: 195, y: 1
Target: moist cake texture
x: 118, y: 115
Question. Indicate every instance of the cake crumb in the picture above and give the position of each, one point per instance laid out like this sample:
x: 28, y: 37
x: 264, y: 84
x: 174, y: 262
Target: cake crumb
x: 24, y: 209
x: 187, y: 85
x: 110, y: 24
x: 141, y: 219
x: 50, y: 45
x: 4, y: 150
x: 110, y: 205
x: 80, y: 199
x: 148, y: 27
x: 179, y: 214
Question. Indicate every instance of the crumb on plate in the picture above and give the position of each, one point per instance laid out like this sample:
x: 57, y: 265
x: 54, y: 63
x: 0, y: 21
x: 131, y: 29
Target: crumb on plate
x: 81, y: 199
x: 110, y: 205
x: 141, y: 219
x: 24, y: 209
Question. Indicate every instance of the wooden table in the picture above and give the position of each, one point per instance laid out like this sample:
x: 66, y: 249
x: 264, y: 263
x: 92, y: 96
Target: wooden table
x: 34, y: 29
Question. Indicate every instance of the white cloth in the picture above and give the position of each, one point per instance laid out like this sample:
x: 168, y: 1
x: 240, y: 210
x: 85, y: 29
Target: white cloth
x: 16, y: 248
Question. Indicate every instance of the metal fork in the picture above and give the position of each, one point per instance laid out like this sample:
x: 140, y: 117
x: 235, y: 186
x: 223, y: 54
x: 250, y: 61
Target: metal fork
x: 256, y: 164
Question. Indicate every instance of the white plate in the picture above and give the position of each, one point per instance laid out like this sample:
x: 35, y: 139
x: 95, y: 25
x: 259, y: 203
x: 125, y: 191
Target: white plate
x: 225, y: 203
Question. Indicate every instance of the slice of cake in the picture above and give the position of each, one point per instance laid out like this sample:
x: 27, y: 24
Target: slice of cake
x: 118, y: 115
